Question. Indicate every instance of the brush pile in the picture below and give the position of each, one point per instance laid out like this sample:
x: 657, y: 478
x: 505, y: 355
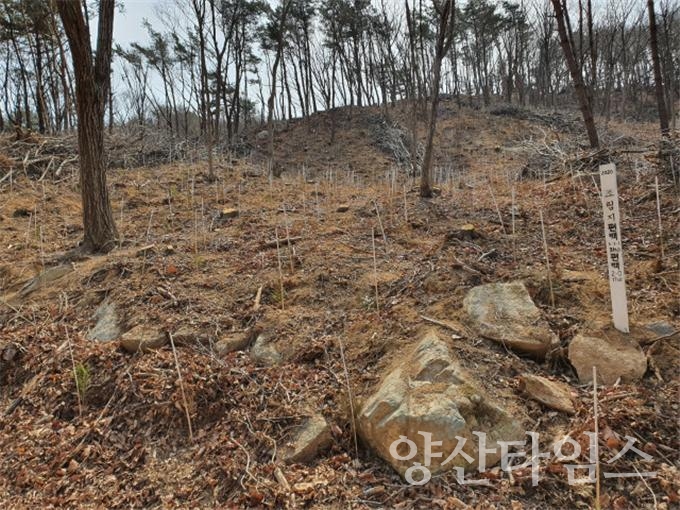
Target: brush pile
x: 554, y: 120
x: 56, y: 157
x: 394, y: 140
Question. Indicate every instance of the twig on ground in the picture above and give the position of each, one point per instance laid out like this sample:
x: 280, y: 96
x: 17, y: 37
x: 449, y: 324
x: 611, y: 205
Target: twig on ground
x: 181, y: 387
x: 547, y: 260
x: 351, y: 398
x: 658, y: 213
x: 382, y: 230
x: 498, y: 210
x: 375, y: 271
x: 280, y: 477
x: 247, y: 468
x: 275, y: 242
x: 278, y: 257
x: 443, y: 324
x: 656, y: 505
x: 75, y: 372
x: 290, y: 247
x: 486, y: 254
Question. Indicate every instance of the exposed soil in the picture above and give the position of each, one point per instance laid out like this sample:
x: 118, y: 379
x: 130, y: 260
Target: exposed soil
x: 182, y: 264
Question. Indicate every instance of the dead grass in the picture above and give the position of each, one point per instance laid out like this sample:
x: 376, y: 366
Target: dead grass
x: 130, y: 447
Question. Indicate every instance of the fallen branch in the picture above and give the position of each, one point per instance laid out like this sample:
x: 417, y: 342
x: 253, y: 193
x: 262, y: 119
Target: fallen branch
x: 181, y: 387
x: 486, y: 254
x: 443, y: 324
x: 466, y: 267
x: 7, y: 175
x: 275, y: 242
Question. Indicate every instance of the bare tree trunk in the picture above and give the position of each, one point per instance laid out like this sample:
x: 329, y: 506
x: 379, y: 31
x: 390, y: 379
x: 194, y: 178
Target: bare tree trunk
x: 416, y: 89
x: 24, y: 84
x: 592, y: 46
x: 40, y: 103
x: 272, y: 93
x: 65, y: 114
x: 92, y: 85
x: 658, y: 81
x: 671, y: 71
x: 576, y: 75
x: 446, y: 14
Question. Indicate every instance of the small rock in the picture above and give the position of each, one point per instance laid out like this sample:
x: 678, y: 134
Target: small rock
x: 466, y: 232
x: 504, y: 312
x: 343, y: 208
x: 73, y: 466
x: 143, y: 338
x: 8, y: 352
x: 311, y: 440
x: 553, y: 394
x: 264, y: 352
x: 232, y: 342
x: 662, y: 329
x: 262, y: 135
x: 229, y: 212
x: 184, y: 336
x: 614, y: 357
x: 108, y: 326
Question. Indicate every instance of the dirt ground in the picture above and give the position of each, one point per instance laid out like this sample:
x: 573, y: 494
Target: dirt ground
x: 183, y: 264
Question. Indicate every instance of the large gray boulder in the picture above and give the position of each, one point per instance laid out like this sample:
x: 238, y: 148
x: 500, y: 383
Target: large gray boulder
x: 504, y: 312
x: 428, y: 392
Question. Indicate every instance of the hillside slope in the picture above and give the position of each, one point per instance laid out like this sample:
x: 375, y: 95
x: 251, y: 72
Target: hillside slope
x: 361, y: 260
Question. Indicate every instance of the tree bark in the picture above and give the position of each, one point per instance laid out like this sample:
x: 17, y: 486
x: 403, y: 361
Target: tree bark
x: 92, y: 86
x: 576, y: 75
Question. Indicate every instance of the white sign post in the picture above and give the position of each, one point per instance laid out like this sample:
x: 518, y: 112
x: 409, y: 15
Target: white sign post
x: 612, y: 234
